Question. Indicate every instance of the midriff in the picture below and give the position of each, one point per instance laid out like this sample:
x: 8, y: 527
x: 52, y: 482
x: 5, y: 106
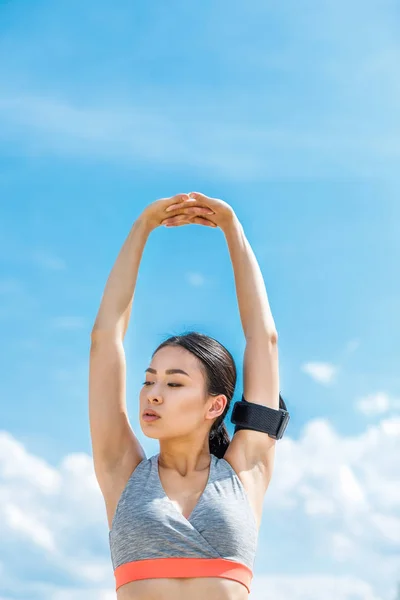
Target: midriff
x: 199, y: 588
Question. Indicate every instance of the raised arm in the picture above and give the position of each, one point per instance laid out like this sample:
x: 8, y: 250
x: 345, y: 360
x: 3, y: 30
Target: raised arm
x: 260, y: 368
x: 261, y: 380
x: 111, y: 433
x: 116, y: 449
x: 249, y: 450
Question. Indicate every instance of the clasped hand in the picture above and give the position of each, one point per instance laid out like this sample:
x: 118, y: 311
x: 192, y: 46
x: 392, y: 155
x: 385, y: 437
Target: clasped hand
x: 189, y: 209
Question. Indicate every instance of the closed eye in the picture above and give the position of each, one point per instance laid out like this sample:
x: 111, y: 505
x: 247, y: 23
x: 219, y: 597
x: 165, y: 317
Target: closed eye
x: 147, y: 383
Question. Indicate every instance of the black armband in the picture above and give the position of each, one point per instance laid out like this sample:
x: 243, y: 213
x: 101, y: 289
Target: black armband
x: 247, y: 415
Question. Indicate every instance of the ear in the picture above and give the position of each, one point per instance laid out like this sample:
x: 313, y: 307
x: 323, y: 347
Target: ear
x: 217, y: 406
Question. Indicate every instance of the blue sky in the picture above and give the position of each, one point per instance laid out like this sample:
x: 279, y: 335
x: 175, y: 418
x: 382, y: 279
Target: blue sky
x: 287, y: 111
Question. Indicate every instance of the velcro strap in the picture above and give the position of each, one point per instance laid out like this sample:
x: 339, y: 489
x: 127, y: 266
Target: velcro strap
x: 248, y: 415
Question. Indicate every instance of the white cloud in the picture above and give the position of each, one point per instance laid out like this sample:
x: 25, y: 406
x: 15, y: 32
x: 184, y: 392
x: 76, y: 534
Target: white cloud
x: 320, y: 372
x: 349, y: 473
x: 347, y: 489
x: 312, y: 587
x: 51, y: 516
x: 377, y: 404
x: 17, y: 465
x: 343, y: 547
x: 29, y: 526
x: 343, y: 490
x: 46, y: 591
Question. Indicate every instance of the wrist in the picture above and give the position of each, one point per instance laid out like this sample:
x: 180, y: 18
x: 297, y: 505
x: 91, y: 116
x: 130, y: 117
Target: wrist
x: 232, y: 224
x: 145, y: 224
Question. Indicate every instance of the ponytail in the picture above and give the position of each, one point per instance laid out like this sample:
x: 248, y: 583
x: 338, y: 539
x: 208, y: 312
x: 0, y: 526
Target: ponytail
x: 219, y: 440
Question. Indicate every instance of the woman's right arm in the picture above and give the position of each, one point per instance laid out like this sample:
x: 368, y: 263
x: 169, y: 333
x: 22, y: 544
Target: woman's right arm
x: 114, y: 444
x: 116, y: 449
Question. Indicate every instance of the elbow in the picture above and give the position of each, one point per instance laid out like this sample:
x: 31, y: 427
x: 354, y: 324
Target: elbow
x: 273, y: 337
x: 268, y: 336
x: 109, y: 334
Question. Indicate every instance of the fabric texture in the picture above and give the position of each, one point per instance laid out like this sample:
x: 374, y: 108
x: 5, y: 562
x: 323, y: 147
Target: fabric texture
x: 149, y: 536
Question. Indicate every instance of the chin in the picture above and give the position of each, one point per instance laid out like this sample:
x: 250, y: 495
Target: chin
x: 147, y: 431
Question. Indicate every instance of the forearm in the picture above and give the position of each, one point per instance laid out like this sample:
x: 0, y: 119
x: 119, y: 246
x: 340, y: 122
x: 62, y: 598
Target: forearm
x: 116, y: 303
x: 255, y: 312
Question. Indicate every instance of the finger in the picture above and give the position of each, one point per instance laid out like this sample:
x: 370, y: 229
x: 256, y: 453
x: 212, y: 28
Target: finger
x: 178, y: 199
x: 180, y: 204
x: 179, y: 224
x: 184, y: 208
x: 194, y: 211
x: 198, y: 210
x: 175, y: 220
x: 202, y: 198
x: 203, y: 221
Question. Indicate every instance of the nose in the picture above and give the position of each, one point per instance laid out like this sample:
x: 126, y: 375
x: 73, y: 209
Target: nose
x: 153, y: 396
x: 154, y: 400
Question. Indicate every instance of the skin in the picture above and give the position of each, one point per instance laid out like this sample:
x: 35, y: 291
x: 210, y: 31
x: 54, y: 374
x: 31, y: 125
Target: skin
x: 188, y: 209
x: 187, y: 411
x: 183, y: 430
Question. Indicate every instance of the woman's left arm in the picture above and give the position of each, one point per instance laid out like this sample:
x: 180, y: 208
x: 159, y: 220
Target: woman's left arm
x: 260, y: 369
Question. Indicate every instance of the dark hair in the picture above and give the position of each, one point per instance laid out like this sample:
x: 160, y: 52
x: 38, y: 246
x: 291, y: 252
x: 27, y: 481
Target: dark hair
x: 220, y: 372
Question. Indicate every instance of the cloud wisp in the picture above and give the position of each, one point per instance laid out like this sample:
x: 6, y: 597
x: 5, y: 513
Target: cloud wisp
x: 44, y: 126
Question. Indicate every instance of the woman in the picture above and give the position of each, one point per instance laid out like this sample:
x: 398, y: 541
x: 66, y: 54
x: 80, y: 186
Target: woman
x: 184, y: 523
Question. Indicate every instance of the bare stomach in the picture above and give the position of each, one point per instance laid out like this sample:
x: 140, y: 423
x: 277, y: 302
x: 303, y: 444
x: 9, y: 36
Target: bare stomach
x: 199, y: 588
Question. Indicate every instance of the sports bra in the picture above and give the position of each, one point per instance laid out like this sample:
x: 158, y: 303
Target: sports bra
x: 150, y: 538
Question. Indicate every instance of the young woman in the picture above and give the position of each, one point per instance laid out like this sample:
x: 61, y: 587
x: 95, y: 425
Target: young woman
x: 184, y: 523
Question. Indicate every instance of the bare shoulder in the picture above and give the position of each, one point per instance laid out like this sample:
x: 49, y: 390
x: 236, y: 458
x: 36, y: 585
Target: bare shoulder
x: 251, y: 455
x: 116, y: 448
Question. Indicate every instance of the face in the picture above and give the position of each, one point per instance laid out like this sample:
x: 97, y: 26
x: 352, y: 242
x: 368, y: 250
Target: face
x: 180, y: 399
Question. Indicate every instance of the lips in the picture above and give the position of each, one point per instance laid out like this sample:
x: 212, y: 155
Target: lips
x: 150, y: 412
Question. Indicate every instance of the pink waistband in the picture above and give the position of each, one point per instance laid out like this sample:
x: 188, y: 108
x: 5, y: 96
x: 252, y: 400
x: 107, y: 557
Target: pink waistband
x: 182, y: 568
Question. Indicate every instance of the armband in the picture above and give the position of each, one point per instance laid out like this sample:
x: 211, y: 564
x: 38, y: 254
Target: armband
x: 247, y: 415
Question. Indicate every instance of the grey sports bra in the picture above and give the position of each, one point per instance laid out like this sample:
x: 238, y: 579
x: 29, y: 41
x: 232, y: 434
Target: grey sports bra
x: 150, y: 538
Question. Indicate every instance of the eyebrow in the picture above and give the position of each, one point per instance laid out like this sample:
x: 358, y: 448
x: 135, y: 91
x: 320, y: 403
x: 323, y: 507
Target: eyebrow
x: 168, y: 371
